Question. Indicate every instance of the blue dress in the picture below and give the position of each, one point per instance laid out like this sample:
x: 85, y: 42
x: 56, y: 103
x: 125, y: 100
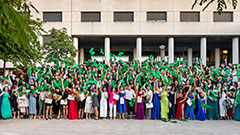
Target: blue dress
x: 190, y: 109
x: 121, y: 107
x: 171, y: 99
x: 0, y: 102
x: 237, y: 112
x: 32, y: 103
x: 156, y: 107
x: 200, y: 112
x: 6, y: 107
x: 237, y: 109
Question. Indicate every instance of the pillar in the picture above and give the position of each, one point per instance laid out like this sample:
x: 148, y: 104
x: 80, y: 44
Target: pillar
x: 235, y: 50
x: 134, y: 54
x: 81, y: 55
x: 190, y: 56
x: 139, y: 49
x: 203, y: 50
x: 40, y: 38
x: 170, y: 50
x: 217, y: 57
x: 75, y: 44
x: 107, y: 49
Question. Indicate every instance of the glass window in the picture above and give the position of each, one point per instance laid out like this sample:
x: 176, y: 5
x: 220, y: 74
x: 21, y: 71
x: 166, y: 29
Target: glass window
x: 52, y: 16
x: 157, y: 16
x: 46, y: 38
x: 123, y: 17
x: 223, y: 17
x: 90, y: 16
x: 189, y: 16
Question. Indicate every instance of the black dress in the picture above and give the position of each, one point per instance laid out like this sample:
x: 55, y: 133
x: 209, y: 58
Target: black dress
x: 15, y: 104
x: 81, y: 104
x: 95, y: 102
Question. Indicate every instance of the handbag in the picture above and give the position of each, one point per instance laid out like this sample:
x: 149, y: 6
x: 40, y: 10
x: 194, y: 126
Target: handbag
x: 63, y: 102
x: 139, y: 99
x: 70, y: 97
x: 189, y: 102
x: 82, y: 96
x: 48, y: 101
x: 170, y: 104
x: 149, y: 105
x: 121, y: 100
x: 115, y: 96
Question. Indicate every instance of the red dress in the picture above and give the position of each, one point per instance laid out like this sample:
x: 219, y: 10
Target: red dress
x: 179, y: 107
x: 230, y: 110
x: 73, y: 109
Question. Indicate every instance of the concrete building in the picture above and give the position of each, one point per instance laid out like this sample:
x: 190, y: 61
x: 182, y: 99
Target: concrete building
x: 139, y: 27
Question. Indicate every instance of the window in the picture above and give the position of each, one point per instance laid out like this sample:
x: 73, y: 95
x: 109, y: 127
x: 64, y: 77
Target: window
x: 90, y: 16
x: 52, y: 16
x: 224, y: 17
x: 123, y: 17
x: 46, y: 38
x: 189, y: 16
x: 157, y: 16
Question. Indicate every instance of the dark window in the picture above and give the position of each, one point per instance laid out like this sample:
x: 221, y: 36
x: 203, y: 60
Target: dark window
x: 90, y: 16
x: 52, y: 16
x: 123, y: 16
x: 157, y: 16
x: 224, y: 17
x: 46, y: 38
x: 189, y: 16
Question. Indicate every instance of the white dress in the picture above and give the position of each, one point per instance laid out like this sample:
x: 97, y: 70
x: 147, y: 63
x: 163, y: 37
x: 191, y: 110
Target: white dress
x: 22, y: 103
x: 88, y: 105
x: 221, y: 107
x: 103, y: 105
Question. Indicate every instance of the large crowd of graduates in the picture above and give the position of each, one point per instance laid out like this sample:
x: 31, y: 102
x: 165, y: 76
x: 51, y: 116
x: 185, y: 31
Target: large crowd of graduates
x: 119, y: 90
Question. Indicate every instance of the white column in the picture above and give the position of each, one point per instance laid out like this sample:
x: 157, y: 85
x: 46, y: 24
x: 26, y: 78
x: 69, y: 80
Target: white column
x: 139, y: 49
x: 170, y: 50
x: 107, y: 49
x: 134, y: 54
x: 217, y: 57
x: 81, y: 55
x: 203, y: 50
x: 40, y: 38
x: 189, y: 56
x: 235, y: 50
x: 75, y: 44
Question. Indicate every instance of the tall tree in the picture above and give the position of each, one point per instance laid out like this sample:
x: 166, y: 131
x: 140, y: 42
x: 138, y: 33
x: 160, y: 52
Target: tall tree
x: 221, y: 4
x: 19, y: 33
x: 59, y: 46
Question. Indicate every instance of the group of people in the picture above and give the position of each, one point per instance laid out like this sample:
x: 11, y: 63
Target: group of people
x: 147, y: 90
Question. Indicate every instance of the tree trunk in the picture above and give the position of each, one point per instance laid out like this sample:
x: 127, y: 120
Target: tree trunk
x: 4, y: 68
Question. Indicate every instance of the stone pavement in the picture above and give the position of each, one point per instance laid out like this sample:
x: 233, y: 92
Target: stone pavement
x: 117, y: 127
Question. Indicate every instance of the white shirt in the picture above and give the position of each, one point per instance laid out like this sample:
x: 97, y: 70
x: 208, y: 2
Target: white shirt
x: 130, y: 94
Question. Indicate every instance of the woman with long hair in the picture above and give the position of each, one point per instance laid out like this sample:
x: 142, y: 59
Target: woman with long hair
x: 181, y: 97
x: 140, y: 103
x: 6, y: 107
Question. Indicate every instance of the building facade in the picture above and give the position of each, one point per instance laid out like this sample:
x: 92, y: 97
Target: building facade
x: 139, y: 27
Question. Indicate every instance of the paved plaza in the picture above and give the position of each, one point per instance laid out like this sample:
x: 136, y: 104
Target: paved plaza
x: 117, y: 127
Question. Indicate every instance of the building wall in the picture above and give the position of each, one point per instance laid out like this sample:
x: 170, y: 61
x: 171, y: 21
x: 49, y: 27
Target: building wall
x: 72, y: 18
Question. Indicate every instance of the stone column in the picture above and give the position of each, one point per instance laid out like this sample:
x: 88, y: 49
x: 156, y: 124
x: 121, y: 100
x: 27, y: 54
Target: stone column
x: 107, y: 49
x: 235, y: 50
x: 139, y: 49
x: 40, y: 38
x: 170, y: 50
x: 217, y: 57
x: 134, y: 54
x: 82, y: 55
x: 75, y: 44
x: 203, y: 50
x: 190, y: 56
